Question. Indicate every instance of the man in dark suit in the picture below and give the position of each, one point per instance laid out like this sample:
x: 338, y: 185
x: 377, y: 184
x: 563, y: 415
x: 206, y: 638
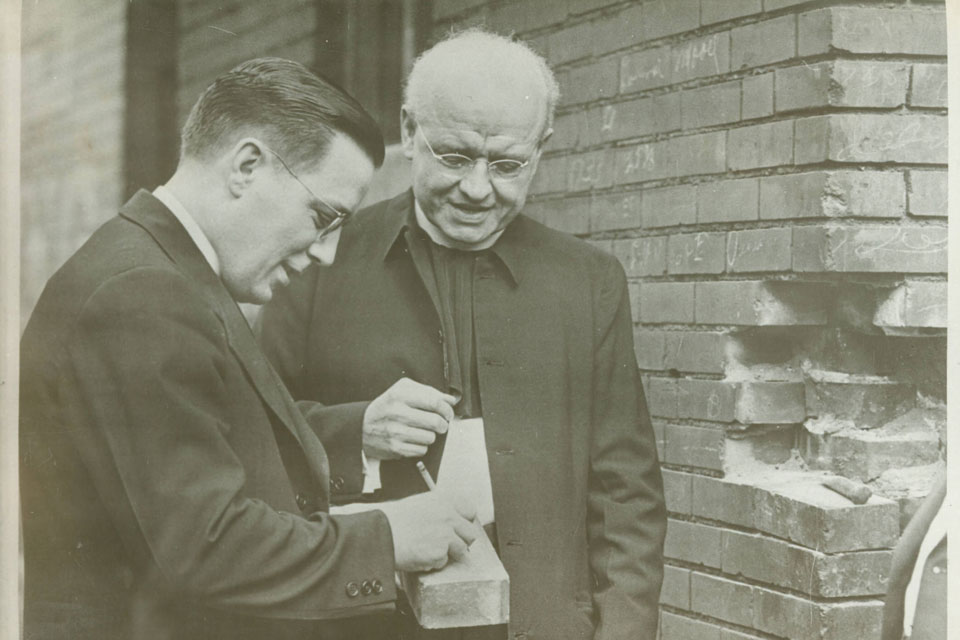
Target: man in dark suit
x: 171, y: 487
x: 530, y: 329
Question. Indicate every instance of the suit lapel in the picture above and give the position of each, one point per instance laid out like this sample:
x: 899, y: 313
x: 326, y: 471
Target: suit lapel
x: 148, y: 212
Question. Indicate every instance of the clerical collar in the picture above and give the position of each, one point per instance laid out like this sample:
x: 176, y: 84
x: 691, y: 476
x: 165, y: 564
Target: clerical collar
x: 165, y: 195
x: 439, y: 238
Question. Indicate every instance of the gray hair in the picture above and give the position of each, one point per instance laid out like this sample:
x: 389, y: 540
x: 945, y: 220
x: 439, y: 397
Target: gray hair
x: 483, y: 40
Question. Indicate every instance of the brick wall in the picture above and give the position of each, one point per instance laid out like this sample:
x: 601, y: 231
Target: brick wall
x: 771, y: 174
x: 71, y: 131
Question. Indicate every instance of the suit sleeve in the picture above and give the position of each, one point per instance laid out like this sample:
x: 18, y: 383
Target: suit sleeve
x: 626, y: 514
x: 284, y: 328
x: 157, y: 445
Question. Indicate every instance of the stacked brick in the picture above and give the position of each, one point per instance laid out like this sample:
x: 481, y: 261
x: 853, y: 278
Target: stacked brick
x: 71, y: 131
x: 771, y: 174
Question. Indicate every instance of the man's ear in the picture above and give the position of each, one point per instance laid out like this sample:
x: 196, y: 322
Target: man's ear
x: 408, y: 128
x: 246, y: 157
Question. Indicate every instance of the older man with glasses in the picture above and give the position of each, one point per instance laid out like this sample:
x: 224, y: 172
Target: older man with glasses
x: 526, y: 331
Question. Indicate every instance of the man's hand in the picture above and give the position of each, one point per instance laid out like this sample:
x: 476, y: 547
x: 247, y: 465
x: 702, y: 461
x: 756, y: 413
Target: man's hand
x: 428, y: 530
x: 405, y: 419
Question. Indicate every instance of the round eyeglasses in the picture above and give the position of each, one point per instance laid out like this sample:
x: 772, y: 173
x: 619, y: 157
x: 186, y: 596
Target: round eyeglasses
x: 328, y: 218
x: 460, y: 165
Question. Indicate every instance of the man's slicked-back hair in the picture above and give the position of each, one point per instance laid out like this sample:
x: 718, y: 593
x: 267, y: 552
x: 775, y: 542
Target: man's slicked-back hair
x: 476, y: 41
x: 296, y: 112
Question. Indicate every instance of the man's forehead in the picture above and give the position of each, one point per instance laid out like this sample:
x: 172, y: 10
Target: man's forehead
x: 510, y: 102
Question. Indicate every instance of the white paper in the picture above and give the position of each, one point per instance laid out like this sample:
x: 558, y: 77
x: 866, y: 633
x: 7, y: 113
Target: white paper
x: 464, y: 469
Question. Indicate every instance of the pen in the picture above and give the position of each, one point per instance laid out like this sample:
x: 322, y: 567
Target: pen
x: 426, y: 476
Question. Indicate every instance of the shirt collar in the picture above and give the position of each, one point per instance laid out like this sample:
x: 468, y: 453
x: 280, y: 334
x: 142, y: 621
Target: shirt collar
x: 508, y: 248
x: 165, y: 195
x: 437, y: 236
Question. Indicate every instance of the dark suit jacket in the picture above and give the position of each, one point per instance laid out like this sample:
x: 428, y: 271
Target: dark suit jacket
x: 576, y: 484
x: 170, y: 486
x: 930, y: 617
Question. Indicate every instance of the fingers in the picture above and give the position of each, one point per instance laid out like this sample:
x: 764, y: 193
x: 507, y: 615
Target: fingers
x: 423, y: 397
x: 457, y: 549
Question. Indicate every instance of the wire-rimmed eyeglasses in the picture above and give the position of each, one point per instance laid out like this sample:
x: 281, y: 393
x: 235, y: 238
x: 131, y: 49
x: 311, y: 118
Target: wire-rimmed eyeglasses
x: 459, y: 164
x: 328, y: 220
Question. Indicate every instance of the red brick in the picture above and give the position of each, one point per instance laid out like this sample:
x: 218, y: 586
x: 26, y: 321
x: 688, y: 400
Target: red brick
x: 712, y: 11
x: 928, y: 193
x: 646, y: 70
x: 666, y: 302
x: 695, y: 351
x: 757, y: 96
x: 678, y: 491
x: 638, y: 118
x: 758, y: 303
x: 797, y: 508
x: 682, y: 156
x: 860, y: 194
x: 662, y: 396
x: 675, y: 591
x: 551, y: 176
x: 693, y: 543
x: 844, y: 83
x: 728, y: 200
x: 910, y: 30
x: 713, y: 400
x: 525, y: 15
x: 872, y: 249
x: 698, y: 154
x: 589, y: 82
x: 872, y: 138
x: 572, y: 43
x: 444, y: 9
x: 649, y: 346
x: 763, y: 43
x: 760, y: 145
x: 568, y: 132
x: 694, y: 446
x: 759, y: 250
x: 779, y: 563
x: 643, y: 162
x: 721, y: 598
x: 769, y: 402
x: 929, y: 85
x: 868, y: 401
x: 616, y: 211
x: 700, y: 58
x: 570, y: 215
x: 642, y: 256
x: 708, y: 106
x: 723, y: 500
x: 773, y: 5
x: 667, y: 17
x: 800, y: 619
x: 669, y: 206
x: 695, y: 253
x: 677, y: 627
x: 592, y: 170
x: 619, y: 30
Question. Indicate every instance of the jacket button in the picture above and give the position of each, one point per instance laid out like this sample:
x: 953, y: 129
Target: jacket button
x: 353, y: 590
x: 377, y: 587
x: 336, y: 484
x: 302, y: 501
x: 366, y: 588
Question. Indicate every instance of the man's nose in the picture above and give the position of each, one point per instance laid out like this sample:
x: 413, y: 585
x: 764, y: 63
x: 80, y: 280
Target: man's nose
x: 476, y: 184
x: 324, y: 250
